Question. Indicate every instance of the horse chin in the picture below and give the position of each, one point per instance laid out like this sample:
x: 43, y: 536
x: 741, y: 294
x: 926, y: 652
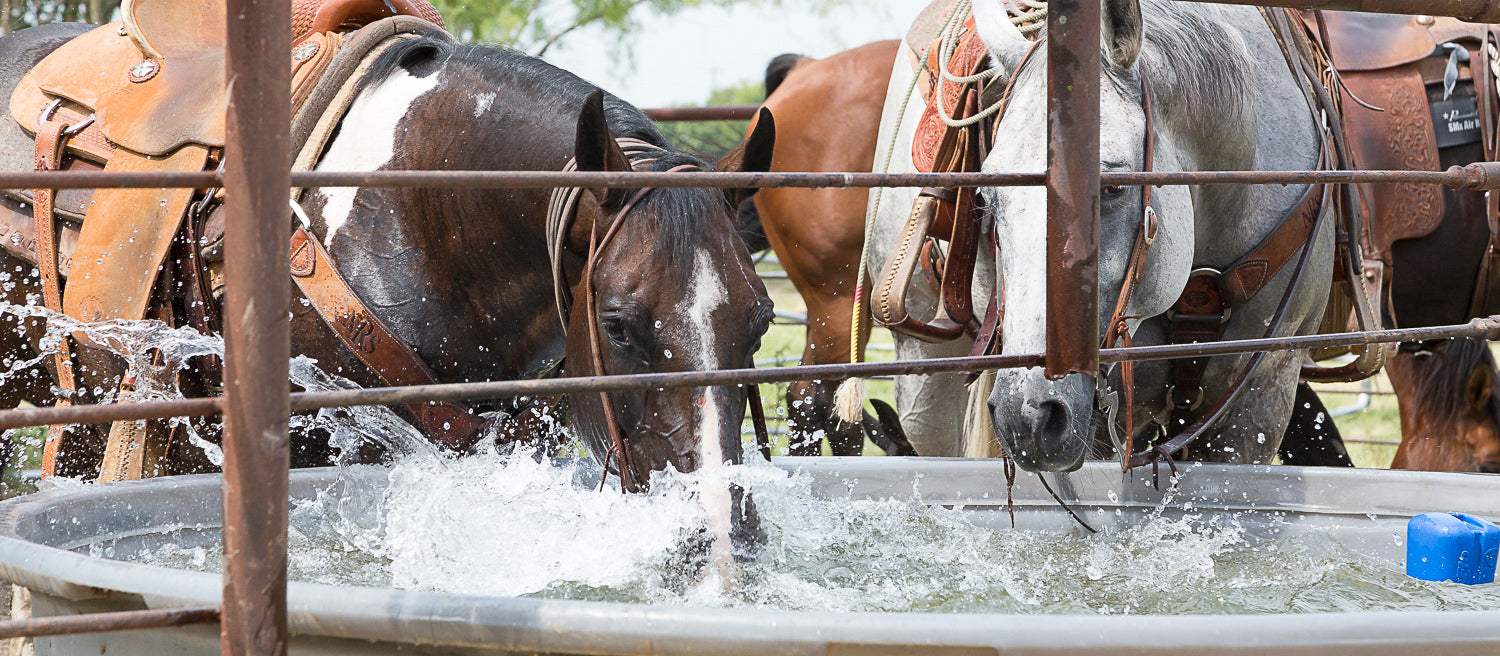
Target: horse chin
x: 1045, y: 425
x: 745, y: 532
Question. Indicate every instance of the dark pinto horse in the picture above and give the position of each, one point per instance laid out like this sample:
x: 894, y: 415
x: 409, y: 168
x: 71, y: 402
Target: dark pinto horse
x: 832, y: 105
x: 464, y: 276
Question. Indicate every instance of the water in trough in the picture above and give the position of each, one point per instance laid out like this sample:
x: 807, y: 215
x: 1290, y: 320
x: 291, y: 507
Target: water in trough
x: 519, y: 525
x: 509, y: 526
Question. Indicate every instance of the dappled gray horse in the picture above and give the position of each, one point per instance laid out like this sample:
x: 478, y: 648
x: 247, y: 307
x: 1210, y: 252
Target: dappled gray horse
x: 1224, y: 98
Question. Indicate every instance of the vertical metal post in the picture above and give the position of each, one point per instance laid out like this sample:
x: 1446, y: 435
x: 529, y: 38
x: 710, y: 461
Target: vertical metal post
x: 1073, y: 63
x: 257, y: 176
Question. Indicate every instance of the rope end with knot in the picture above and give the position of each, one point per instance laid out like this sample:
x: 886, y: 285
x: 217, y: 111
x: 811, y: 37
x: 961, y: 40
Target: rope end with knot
x: 849, y: 401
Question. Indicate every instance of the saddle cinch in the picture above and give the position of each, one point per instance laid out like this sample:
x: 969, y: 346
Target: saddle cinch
x: 147, y: 94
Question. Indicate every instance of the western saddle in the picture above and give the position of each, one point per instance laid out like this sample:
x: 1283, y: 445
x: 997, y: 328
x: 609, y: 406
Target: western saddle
x: 148, y: 94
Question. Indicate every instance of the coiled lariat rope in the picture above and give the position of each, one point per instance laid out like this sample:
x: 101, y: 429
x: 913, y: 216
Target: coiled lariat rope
x: 1029, y: 16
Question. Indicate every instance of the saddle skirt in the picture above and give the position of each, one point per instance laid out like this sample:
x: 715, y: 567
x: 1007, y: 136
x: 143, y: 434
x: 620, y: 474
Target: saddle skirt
x: 1412, y: 85
x: 148, y: 94
x: 154, y: 82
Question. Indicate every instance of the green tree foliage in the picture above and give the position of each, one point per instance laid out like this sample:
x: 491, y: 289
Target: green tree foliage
x: 26, y: 13
x: 531, y: 25
x: 537, y: 25
x: 712, y: 139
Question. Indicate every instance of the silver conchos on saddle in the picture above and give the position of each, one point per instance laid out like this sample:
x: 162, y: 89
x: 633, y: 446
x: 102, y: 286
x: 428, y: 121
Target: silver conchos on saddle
x: 305, y: 51
x: 145, y: 70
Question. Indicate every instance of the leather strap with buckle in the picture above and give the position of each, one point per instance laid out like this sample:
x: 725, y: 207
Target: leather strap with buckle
x: 368, y: 339
x: 51, y: 144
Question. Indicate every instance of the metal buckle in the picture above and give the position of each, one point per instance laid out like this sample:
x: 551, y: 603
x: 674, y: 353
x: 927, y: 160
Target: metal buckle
x: 1214, y: 275
x: 48, y: 111
x: 72, y: 130
x: 1150, y: 225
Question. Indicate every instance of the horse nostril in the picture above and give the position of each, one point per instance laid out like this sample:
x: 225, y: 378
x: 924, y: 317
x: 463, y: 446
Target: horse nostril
x: 1051, y: 418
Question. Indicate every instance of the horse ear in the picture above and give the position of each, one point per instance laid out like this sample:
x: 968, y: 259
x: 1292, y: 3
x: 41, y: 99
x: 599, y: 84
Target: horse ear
x: 1004, y: 40
x: 755, y: 154
x: 1121, y: 32
x: 594, y: 149
x: 1480, y: 387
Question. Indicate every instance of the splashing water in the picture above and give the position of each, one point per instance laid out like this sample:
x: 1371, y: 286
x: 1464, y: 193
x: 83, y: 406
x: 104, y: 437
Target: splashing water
x: 521, y: 525
x: 154, y: 353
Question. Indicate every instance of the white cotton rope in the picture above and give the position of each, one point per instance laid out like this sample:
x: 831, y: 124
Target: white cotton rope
x: 1027, y: 15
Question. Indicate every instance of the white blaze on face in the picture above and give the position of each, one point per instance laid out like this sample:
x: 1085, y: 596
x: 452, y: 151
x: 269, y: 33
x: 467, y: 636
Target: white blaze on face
x: 1021, y: 219
x: 706, y: 294
x: 367, y: 141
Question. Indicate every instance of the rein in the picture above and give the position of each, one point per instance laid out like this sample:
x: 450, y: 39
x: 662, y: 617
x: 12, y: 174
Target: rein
x: 1118, y: 331
x: 1201, y: 313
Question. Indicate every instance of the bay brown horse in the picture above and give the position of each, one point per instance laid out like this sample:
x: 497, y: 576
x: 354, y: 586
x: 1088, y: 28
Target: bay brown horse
x: 1446, y: 389
x: 464, y: 276
x: 1450, y: 406
x: 832, y: 105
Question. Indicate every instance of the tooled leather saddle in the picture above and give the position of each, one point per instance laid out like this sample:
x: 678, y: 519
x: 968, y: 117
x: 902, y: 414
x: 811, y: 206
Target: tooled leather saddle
x: 1415, y: 86
x: 147, y: 94
x: 940, y: 242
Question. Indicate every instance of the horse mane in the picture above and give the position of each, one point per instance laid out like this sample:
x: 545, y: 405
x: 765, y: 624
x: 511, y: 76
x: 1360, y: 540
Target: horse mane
x: 780, y: 67
x: 1440, y: 376
x: 1192, y: 54
x: 678, y: 212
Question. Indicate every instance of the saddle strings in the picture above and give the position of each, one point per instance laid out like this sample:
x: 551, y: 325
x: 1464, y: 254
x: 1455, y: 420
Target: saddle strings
x: 1029, y: 16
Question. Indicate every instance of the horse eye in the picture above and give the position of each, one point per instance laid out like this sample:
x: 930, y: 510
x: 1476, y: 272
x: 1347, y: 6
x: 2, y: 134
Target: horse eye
x: 1112, y: 190
x: 614, y: 328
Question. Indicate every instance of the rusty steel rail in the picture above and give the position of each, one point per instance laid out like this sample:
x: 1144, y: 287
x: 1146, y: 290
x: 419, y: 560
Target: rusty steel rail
x: 1479, y: 176
x: 710, y: 113
x: 257, y: 335
x: 1073, y: 65
x: 126, y: 620
x: 1486, y: 328
x: 1474, y: 11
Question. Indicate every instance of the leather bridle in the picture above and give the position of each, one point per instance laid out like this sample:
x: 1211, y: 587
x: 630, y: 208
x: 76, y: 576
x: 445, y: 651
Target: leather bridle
x: 393, y: 362
x: 1202, y: 311
x: 562, y: 211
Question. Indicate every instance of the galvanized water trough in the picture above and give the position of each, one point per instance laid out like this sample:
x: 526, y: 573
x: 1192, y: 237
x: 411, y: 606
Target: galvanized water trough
x: 45, y: 539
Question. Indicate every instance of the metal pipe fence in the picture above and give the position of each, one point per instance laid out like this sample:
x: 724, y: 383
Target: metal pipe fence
x: 1479, y: 176
x: 1486, y: 328
x: 257, y: 349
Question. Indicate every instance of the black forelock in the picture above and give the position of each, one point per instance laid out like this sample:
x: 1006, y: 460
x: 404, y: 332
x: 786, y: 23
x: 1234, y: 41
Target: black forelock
x: 1442, y: 369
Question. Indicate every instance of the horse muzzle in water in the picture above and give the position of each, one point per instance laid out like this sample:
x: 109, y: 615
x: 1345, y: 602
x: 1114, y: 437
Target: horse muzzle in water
x: 1045, y: 425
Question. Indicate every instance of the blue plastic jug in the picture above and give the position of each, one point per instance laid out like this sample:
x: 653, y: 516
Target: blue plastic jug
x: 1452, y: 547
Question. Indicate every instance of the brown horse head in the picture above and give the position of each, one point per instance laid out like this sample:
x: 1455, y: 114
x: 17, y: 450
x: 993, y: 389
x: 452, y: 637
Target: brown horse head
x: 671, y: 288
x: 466, y: 276
x: 1450, y: 406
